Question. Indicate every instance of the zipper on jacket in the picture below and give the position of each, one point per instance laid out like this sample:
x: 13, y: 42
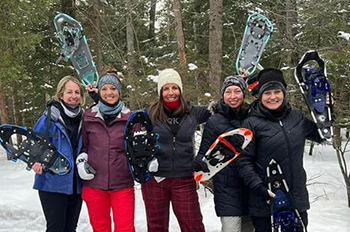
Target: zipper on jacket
x: 289, y: 154
x: 173, y: 156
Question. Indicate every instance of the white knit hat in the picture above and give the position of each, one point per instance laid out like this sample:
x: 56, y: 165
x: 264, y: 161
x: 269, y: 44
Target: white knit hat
x: 169, y: 76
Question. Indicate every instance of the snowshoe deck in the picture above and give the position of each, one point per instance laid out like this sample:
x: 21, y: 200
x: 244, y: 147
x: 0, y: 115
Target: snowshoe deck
x: 256, y: 35
x: 215, y: 160
x: 284, y: 216
x: 33, y: 149
x: 140, y: 145
x: 73, y: 42
x: 315, y: 87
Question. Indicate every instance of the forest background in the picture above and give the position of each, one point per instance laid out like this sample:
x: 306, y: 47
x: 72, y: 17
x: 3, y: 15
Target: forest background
x: 199, y: 38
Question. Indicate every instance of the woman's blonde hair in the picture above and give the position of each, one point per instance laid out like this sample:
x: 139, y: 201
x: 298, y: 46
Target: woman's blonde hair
x: 61, y: 87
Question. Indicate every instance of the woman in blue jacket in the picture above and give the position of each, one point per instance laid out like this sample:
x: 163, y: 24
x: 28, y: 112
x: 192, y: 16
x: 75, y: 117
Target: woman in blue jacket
x: 60, y: 195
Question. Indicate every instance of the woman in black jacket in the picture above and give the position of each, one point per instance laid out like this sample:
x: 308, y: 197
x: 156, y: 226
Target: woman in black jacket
x: 279, y: 133
x: 175, y: 120
x: 230, y: 194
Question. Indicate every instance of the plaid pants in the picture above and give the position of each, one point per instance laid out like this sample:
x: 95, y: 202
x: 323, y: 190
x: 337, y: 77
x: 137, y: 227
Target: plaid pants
x: 181, y: 192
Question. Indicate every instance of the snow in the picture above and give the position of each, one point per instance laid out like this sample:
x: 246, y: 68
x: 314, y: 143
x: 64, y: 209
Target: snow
x: 192, y: 67
x: 20, y: 209
x: 344, y: 35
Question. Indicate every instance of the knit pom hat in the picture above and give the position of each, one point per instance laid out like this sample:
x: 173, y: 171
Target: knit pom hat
x: 271, y: 78
x: 169, y: 76
x: 233, y: 80
x: 110, y: 78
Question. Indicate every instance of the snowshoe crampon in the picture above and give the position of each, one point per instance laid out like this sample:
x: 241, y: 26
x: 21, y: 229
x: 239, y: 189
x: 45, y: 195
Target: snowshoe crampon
x: 216, y: 159
x: 257, y: 33
x: 23, y: 144
x: 284, y: 216
x: 74, y: 46
x: 314, y: 85
x: 140, y: 144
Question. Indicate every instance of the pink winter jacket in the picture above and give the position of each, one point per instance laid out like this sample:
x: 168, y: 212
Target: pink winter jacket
x: 105, y: 148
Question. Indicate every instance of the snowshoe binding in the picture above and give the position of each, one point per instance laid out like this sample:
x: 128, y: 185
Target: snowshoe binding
x: 222, y: 152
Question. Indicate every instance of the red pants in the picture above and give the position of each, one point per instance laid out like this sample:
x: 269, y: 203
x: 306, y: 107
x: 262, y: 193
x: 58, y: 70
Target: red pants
x: 181, y: 192
x: 99, y: 204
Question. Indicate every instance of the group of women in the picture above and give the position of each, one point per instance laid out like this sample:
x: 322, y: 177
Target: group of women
x: 94, y: 140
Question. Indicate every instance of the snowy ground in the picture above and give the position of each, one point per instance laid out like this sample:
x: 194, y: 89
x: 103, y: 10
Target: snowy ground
x: 20, y: 210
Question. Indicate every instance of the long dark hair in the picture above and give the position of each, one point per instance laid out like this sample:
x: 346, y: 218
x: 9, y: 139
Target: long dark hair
x: 156, y: 110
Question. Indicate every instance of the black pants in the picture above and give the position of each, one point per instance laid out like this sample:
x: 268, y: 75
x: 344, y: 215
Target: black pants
x: 263, y: 224
x: 61, y: 211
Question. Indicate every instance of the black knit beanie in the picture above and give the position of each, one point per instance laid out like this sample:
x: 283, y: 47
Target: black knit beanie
x: 271, y: 78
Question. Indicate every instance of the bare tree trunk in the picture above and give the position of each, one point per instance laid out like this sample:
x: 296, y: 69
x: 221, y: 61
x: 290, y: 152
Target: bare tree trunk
x: 179, y: 32
x: 215, y: 46
x: 341, y: 152
x: 130, y: 40
x: 291, y: 18
x: 152, y: 22
x: 68, y: 7
x: 97, y: 35
x: 3, y: 109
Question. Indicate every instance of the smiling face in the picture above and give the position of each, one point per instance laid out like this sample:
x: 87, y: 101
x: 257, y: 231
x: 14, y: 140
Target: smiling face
x: 109, y: 93
x: 170, y: 92
x: 272, y: 99
x: 71, y: 93
x: 233, y: 96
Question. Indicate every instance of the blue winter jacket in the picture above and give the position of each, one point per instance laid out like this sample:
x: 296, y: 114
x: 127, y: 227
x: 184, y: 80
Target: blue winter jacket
x: 51, y: 182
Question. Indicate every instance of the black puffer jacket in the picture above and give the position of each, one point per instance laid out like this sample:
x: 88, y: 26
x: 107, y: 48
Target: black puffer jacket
x: 283, y: 140
x: 230, y: 194
x: 177, y: 152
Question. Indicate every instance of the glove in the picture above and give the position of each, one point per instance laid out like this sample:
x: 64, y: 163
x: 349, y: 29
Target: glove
x: 153, y: 165
x: 85, y: 171
x: 199, y: 165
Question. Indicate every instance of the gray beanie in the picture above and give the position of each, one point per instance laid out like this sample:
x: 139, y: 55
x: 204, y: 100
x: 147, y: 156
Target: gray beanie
x: 169, y: 76
x: 234, y: 80
x: 110, y: 78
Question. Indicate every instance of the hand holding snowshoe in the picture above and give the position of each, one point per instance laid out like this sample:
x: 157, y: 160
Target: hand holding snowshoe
x: 85, y: 171
x: 153, y: 165
x: 199, y: 165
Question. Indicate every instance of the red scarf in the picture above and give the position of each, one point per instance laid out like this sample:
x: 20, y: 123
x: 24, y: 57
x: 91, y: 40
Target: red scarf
x: 172, y: 105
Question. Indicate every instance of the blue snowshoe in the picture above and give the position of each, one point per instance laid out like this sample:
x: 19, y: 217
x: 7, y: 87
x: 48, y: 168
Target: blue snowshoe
x: 284, y: 216
x: 315, y: 87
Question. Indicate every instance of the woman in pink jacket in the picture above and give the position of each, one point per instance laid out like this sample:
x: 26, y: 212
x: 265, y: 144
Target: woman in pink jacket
x: 111, y: 186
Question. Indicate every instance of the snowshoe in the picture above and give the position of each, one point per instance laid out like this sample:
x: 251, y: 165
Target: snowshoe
x: 315, y: 88
x: 256, y: 35
x: 140, y: 144
x: 222, y: 152
x: 33, y: 148
x: 73, y: 42
x: 284, y: 216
